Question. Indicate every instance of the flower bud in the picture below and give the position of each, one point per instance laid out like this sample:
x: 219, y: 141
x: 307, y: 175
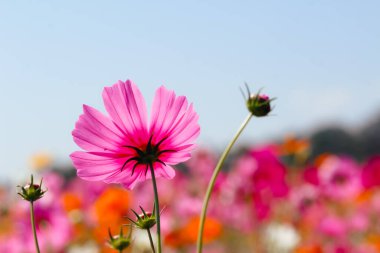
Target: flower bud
x: 258, y: 104
x: 119, y: 242
x: 146, y: 220
x: 32, y: 192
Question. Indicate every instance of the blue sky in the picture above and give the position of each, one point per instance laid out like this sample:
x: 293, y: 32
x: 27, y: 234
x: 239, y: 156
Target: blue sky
x: 321, y: 59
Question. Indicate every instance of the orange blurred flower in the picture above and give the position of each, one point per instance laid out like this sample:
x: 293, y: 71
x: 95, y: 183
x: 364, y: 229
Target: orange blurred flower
x: 374, y: 240
x: 71, y: 201
x: 364, y: 197
x: 294, y: 146
x: 110, y: 209
x: 309, y: 249
x: 319, y: 160
x: 187, y: 234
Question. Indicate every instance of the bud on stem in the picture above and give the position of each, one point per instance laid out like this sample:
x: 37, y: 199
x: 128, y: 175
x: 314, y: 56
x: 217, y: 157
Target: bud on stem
x: 119, y: 242
x: 32, y: 192
x: 257, y: 104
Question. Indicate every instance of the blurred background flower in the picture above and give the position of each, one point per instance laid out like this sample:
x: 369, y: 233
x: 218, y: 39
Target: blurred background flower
x: 263, y: 202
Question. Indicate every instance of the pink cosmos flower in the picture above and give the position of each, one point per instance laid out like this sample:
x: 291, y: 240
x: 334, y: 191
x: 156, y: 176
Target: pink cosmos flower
x: 304, y: 196
x: 310, y: 175
x: 340, y: 178
x: 119, y: 148
x: 258, y: 176
x: 371, y: 172
x: 333, y: 226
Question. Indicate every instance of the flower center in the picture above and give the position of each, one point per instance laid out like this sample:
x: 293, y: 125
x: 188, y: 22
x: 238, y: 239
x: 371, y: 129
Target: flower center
x: 146, y: 157
x: 339, y: 178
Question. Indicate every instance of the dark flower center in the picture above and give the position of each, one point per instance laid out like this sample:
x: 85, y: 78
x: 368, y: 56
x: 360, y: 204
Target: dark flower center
x: 339, y: 178
x: 148, y: 156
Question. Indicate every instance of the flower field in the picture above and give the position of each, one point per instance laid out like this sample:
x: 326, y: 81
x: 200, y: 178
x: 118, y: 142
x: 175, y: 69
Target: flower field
x: 268, y: 198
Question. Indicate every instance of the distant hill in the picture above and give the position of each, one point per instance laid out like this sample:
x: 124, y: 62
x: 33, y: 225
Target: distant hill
x: 360, y: 144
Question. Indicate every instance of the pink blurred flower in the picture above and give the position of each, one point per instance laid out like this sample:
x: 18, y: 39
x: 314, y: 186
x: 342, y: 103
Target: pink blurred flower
x: 269, y: 173
x: 304, y: 196
x: 201, y: 165
x: 340, y: 178
x: 259, y: 176
x: 359, y: 221
x: 312, y: 216
x: 333, y: 226
x: 375, y: 202
x: 371, y: 172
x: 365, y: 248
x: 120, y: 147
x: 341, y: 249
x: 54, y: 230
x: 310, y: 175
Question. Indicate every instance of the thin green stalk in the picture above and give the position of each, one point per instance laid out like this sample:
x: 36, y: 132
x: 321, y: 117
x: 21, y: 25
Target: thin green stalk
x: 157, y: 208
x: 34, y: 226
x: 212, y: 182
x: 151, y: 241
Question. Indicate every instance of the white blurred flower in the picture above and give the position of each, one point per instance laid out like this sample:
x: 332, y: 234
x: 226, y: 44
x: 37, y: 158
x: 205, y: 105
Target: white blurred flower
x: 280, y: 238
x: 140, y: 242
x: 88, y: 247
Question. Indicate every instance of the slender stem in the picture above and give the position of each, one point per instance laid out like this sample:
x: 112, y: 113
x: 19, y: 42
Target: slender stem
x: 212, y: 182
x: 34, y: 226
x: 157, y: 208
x: 151, y: 241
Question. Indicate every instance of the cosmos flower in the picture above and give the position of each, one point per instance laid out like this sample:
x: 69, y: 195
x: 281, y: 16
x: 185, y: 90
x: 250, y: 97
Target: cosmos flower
x: 119, y: 148
x: 340, y: 178
x: 333, y: 226
x: 371, y: 173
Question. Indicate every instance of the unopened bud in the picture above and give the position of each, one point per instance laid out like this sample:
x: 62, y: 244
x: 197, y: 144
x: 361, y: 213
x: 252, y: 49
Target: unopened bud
x: 146, y: 220
x: 258, y: 104
x: 32, y: 192
x: 119, y: 242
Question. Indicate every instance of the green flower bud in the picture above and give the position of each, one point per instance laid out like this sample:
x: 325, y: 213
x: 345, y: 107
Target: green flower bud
x: 146, y: 220
x: 31, y: 192
x: 119, y: 242
x: 258, y: 104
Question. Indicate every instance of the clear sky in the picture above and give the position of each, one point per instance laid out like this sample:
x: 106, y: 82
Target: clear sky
x: 321, y: 59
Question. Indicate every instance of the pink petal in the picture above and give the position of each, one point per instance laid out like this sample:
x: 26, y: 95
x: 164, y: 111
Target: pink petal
x: 95, y: 166
x: 188, y: 129
x: 126, y: 106
x: 140, y: 174
x: 95, y: 132
x: 173, y: 119
x: 130, y: 182
x: 160, y: 171
x: 164, y: 171
x: 125, y: 178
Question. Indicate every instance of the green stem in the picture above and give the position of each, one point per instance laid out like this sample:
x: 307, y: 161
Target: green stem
x: 34, y: 227
x: 157, y: 208
x: 212, y: 182
x: 151, y: 241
